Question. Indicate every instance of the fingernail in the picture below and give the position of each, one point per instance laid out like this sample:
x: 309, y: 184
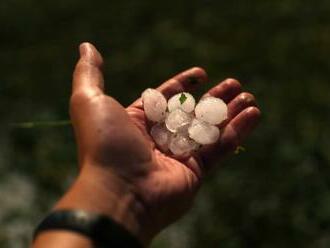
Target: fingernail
x: 83, y: 50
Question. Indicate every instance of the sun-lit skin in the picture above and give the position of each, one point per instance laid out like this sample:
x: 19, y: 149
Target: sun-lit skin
x: 122, y: 173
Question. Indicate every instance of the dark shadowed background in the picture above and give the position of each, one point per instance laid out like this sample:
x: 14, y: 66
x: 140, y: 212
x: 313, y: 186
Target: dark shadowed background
x: 275, y: 194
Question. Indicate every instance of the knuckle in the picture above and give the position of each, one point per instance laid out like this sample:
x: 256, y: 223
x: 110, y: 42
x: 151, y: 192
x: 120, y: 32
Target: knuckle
x: 78, y: 97
x: 84, y: 96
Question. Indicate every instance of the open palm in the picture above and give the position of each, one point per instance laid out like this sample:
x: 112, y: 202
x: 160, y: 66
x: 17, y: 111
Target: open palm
x: 117, y: 139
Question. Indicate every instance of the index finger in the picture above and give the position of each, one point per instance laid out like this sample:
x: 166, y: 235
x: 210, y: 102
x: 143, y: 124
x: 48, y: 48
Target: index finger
x: 184, y: 81
x: 232, y: 136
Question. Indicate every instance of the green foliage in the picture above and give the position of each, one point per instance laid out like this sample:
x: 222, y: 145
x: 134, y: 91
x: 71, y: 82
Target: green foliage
x: 182, y: 98
x: 274, y: 195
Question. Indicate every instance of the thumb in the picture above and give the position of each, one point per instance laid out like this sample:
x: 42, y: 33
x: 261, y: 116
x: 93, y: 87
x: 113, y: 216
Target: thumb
x: 88, y: 77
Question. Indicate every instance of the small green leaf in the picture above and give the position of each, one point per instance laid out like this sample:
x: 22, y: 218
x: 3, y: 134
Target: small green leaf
x: 182, y: 98
x: 239, y: 149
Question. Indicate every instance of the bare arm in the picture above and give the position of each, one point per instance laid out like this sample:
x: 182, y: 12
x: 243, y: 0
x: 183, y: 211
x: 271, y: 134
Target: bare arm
x: 122, y: 173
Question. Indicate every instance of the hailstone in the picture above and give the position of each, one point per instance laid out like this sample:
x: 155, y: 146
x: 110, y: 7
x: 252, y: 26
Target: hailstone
x: 203, y: 133
x: 182, y: 145
x: 177, y: 119
x: 161, y: 135
x: 181, y: 126
x: 154, y: 104
x: 211, y: 110
x: 183, y: 101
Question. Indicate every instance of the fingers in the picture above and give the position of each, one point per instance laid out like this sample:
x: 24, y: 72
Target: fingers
x: 229, y: 91
x: 243, y: 116
x: 239, y: 103
x: 88, y: 77
x: 185, y: 81
x: 232, y: 136
x: 244, y: 123
x: 226, y: 90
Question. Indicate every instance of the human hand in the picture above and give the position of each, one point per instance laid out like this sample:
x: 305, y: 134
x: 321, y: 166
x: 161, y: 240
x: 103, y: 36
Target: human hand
x: 117, y: 156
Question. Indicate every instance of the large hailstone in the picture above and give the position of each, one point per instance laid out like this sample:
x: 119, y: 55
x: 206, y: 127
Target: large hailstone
x: 211, y: 110
x: 183, y: 101
x: 154, y: 104
x: 182, y: 145
x: 203, y: 133
x: 180, y: 129
x: 177, y: 119
x: 161, y: 136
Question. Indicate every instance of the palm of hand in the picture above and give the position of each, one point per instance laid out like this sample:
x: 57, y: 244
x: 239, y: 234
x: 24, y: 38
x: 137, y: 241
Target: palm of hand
x: 170, y: 183
x: 117, y: 139
x: 125, y: 146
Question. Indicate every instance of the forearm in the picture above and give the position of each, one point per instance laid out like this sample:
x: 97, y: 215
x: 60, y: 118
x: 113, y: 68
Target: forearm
x: 63, y: 239
x: 100, y: 192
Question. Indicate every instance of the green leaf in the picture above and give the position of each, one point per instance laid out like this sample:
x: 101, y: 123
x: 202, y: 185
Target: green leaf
x: 239, y: 149
x: 182, y: 98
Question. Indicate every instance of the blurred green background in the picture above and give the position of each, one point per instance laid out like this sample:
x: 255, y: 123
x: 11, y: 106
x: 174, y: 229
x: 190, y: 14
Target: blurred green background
x: 276, y: 194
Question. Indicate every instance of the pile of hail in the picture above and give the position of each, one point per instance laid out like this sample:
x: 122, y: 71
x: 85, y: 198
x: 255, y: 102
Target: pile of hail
x: 179, y: 125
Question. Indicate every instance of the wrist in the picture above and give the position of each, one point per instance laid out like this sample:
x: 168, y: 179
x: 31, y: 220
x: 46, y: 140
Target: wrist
x: 100, y: 191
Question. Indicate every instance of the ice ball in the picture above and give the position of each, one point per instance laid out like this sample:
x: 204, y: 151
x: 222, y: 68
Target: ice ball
x: 161, y: 135
x: 211, y: 110
x: 177, y: 119
x: 183, y: 101
x: 182, y: 145
x: 203, y: 133
x: 154, y: 104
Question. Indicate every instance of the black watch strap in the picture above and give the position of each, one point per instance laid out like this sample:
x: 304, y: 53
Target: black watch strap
x: 102, y: 230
